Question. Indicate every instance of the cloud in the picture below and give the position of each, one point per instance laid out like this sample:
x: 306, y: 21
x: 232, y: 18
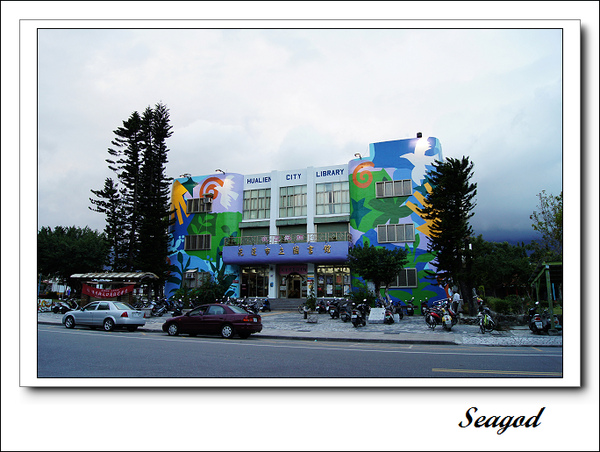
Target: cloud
x: 255, y: 100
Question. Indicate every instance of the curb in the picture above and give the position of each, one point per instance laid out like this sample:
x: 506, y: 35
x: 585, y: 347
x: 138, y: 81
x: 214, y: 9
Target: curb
x: 457, y: 340
x: 316, y: 338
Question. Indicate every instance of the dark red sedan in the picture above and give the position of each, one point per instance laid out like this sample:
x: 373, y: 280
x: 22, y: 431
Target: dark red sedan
x: 215, y: 318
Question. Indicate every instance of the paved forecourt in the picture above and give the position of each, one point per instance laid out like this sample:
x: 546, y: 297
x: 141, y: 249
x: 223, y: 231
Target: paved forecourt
x: 293, y: 325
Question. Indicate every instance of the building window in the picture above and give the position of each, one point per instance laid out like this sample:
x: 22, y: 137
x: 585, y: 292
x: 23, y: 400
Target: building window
x: 391, y: 188
x: 333, y: 198
x: 393, y: 233
x: 197, y: 242
x: 257, y: 204
x: 199, y: 205
x: 292, y: 201
x: 407, y: 278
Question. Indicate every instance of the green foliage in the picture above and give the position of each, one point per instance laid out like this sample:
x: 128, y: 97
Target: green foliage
x: 359, y: 294
x: 311, y: 300
x: 65, y: 251
x: 499, y: 267
x: 509, y: 305
x: 548, y: 221
x: 379, y: 265
x: 138, y: 212
x: 209, y: 292
x: 449, y: 207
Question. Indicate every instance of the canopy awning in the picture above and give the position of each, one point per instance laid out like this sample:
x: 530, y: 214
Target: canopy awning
x: 115, y: 277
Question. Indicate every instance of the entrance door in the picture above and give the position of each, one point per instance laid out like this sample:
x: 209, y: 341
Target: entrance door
x: 294, y: 285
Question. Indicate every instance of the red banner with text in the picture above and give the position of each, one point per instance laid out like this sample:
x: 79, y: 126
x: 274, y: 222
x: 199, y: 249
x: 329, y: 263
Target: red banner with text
x: 106, y: 293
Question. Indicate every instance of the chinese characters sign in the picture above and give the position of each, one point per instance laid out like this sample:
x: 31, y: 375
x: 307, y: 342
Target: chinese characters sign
x: 106, y: 293
x: 316, y: 252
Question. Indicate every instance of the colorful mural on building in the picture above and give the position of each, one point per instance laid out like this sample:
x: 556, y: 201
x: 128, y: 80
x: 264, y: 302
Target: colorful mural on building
x: 400, y: 160
x: 404, y: 162
x: 220, y: 222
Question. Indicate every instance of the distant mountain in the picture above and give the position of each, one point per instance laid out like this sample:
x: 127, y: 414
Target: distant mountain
x: 512, y: 237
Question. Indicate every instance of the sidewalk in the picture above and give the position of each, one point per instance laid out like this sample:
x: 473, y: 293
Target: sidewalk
x: 410, y: 330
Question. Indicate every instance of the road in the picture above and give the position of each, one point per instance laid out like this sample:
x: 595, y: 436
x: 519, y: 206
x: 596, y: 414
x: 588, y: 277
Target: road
x: 85, y: 353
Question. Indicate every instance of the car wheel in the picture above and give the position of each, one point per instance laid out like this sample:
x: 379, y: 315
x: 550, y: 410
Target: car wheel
x: 132, y: 328
x: 108, y: 324
x: 70, y: 322
x: 227, y: 331
x: 173, y: 329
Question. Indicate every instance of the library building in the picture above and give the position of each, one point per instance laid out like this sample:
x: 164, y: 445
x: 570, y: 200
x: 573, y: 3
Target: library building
x: 286, y: 234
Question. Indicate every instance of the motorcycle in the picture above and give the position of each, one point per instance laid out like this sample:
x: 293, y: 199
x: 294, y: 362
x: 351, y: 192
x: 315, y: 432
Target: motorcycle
x: 434, y: 315
x: 321, y: 307
x: 447, y: 321
x: 346, y: 312
x: 334, y: 309
x: 177, y: 308
x: 266, y: 305
x: 486, y: 322
x: 388, y: 317
x: 62, y: 307
x: 410, y: 308
x: 540, y: 323
x: 359, y: 315
x: 548, y: 325
x: 424, y: 307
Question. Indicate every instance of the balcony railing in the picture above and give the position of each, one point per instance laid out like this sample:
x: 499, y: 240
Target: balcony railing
x: 289, y: 238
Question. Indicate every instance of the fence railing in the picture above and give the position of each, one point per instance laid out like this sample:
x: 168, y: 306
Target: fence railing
x: 289, y: 238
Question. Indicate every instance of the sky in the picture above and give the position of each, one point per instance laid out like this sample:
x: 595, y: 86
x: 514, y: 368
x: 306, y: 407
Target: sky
x: 255, y: 100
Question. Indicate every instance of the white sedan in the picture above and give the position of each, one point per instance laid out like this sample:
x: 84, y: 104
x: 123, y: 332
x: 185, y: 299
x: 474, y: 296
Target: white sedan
x: 105, y: 314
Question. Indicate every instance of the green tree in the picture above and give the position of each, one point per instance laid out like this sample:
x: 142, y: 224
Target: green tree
x: 154, y: 200
x: 548, y: 221
x: 125, y: 161
x: 138, y: 157
x: 109, y: 203
x: 67, y: 250
x: 448, y: 207
x: 378, y: 265
x: 501, y: 268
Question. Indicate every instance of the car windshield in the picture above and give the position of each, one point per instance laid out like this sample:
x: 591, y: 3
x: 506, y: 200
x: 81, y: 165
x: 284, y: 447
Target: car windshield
x: 238, y: 310
x: 122, y: 306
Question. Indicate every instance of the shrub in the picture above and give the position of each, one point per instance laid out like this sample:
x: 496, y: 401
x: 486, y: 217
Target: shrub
x: 509, y: 305
x: 358, y: 295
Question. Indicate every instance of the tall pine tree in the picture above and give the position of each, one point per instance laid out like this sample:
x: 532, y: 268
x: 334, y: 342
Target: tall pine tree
x: 449, y: 207
x: 138, y: 157
x: 126, y: 164
x: 109, y: 203
x: 154, y: 194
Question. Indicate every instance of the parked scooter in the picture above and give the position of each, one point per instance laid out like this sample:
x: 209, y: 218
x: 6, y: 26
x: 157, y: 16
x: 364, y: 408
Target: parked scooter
x: 540, y: 323
x: 424, y: 307
x: 433, y: 315
x: 346, y: 312
x: 177, y: 306
x: 548, y: 325
x: 486, y: 322
x: 266, y: 305
x: 410, y: 307
x: 321, y: 307
x: 447, y: 321
x: 359, y: 315
x: 63, y: 307
x: 334, y: 309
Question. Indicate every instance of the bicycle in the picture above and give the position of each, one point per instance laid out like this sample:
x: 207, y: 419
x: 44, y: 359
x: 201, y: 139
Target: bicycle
x: 486, y: 322
x: 301, y: 308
